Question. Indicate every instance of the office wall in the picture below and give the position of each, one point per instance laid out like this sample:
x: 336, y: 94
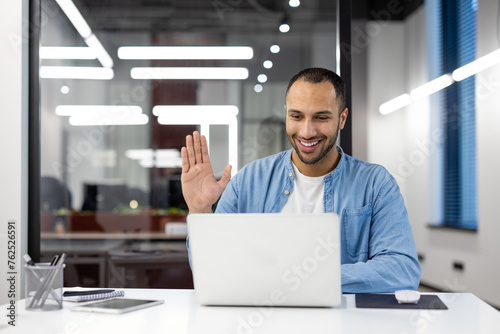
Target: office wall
x: 13, y: 141
x: 405, y: 144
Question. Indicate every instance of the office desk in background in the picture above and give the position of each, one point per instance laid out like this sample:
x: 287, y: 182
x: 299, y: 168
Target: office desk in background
x: 120, y: 259
x: 145, y: 249
x: 181, y: 314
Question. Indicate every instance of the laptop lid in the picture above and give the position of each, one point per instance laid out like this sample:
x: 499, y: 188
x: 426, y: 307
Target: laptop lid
x: 266, y: 259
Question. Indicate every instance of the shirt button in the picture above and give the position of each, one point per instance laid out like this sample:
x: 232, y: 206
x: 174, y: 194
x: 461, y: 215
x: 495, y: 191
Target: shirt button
x: 286, y: 192
x: 291, y: 174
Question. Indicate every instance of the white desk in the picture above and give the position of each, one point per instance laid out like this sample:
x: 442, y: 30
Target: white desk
x: 181, y: 314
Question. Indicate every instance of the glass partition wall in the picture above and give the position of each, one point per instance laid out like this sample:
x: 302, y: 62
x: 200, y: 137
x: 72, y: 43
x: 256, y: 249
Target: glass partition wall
x: 122, y: 84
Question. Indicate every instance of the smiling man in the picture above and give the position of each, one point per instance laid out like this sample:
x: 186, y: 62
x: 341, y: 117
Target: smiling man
x: 377, y: 250
x: 314, y: 117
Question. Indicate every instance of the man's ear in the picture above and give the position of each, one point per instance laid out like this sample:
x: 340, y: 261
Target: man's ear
x: 343, y: 118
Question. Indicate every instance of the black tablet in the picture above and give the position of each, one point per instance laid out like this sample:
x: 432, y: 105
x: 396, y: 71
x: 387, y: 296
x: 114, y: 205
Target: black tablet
x: 117, y: 305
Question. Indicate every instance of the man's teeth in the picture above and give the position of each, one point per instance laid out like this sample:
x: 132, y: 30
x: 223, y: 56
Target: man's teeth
x: 309, y: 144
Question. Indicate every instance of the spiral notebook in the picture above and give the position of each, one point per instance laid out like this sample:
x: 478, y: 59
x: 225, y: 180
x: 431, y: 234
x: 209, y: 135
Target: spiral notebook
x: 91, y: 295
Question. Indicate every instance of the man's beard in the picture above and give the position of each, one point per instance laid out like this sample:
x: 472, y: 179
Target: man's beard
x: 322, y: 154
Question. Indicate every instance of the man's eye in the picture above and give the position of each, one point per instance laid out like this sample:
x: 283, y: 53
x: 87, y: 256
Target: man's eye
x: 295, y: 116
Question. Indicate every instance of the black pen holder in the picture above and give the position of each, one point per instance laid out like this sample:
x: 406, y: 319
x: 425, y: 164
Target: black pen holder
x: 44, y: 287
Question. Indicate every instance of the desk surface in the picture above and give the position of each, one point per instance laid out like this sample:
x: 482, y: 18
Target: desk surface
x: 112, y: 236
x: 181, y: 314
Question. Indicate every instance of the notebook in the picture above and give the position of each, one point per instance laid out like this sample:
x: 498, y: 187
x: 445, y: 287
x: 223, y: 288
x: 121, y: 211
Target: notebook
x: 91, y: 295
x: 266, y: 259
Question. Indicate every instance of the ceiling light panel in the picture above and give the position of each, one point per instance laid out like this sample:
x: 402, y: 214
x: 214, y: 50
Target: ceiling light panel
x: 67, y: 52
x: 185, y: 52
x: 76, y: 72
x: 190, y: 73
x: 197, y: 114
x: 73, y: 110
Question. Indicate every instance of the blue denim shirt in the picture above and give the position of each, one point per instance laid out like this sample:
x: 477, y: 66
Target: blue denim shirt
x: 378, y: 252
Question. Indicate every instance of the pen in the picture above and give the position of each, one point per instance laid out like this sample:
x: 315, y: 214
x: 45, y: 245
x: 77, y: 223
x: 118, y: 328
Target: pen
x: 48, y: 287
x: 54, y: 260
x: 28, y: 260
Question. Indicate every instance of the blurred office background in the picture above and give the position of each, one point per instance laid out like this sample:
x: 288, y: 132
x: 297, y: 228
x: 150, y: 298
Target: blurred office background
x: 114, y: 117
x: 111, y: 135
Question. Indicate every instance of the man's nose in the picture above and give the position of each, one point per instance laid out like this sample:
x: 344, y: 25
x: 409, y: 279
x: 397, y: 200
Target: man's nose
x: 308, y: 129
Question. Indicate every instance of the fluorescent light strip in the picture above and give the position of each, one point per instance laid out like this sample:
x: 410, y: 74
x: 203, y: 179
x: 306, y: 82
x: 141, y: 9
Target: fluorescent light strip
x: 395, y: 104
x: 92, y: 120
x: 185, y: 115
x: 233, y: 145
x: 161, y: 158
x: 190, y: 73
x: 164, y: 163
x: 431, y: 87
x: 185, y: 52
x: 75, y: 110
x: 67, y: 52
x: 75, y: 17
x: 84, y: 115
x: 102, y: 55
x: 141, y: 154
x: 194, y: 109
x: 75, y: 72
x: 204, y: 116
x: 168, y: 163
x: 84, y: 30
x: 477, y: 66
x: 443, y: 81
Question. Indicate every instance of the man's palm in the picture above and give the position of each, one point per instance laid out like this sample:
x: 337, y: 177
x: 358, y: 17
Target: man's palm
x: 199, y: 186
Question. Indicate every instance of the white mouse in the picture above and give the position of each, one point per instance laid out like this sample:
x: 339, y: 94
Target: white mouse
x: 407, y: 296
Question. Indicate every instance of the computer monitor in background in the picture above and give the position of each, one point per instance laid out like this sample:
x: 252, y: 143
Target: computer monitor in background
x: 104, y: 197
x: 167, y: 193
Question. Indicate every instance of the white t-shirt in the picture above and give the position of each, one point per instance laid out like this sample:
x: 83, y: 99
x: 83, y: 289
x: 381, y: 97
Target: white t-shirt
x: 307, y: 195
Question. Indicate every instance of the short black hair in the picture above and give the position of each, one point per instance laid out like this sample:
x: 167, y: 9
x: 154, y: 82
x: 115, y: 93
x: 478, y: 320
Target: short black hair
x: 317, y: 75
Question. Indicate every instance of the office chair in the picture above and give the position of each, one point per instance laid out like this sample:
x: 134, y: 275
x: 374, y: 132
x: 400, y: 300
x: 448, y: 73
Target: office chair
x: 54, y: 195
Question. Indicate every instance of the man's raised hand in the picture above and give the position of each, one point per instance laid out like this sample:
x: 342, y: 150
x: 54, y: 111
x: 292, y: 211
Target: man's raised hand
x: 199, y: 186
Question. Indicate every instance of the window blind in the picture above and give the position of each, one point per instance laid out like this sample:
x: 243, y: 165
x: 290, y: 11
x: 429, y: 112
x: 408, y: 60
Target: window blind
x: 458, y: 29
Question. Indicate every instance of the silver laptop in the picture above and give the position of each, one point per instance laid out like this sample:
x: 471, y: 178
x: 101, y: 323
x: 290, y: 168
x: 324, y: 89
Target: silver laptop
x: 266, y: 259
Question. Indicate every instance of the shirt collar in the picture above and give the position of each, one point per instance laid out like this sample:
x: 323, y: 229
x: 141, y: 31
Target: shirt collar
x: 334, y: 173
